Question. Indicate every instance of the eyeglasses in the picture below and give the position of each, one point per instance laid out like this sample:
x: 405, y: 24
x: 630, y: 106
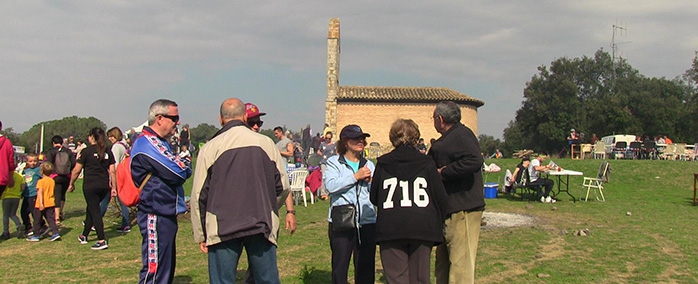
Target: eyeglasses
x: 252, y: 123
x: 174, y: 118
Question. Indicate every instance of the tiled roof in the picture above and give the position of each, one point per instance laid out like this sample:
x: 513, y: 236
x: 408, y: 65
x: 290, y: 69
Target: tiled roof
x: 403, y: 94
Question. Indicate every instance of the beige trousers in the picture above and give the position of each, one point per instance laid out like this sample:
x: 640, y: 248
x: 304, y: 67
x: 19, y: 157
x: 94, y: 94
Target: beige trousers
x: 455, y: 258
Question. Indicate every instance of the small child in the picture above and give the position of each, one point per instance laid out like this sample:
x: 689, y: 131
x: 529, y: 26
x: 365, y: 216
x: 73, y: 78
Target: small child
x: 184, y: 153
x: 45, y: 204
x: 10, y: 203
x: 32, y: 175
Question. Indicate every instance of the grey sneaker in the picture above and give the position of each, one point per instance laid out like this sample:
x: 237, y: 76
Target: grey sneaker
x: 33, y: 239
x: 82, y: 239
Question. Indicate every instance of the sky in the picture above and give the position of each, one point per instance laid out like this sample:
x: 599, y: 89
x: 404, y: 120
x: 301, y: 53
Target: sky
x: 111, y: 59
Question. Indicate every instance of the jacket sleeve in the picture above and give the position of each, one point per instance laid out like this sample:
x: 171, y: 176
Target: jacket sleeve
x: 165, y: 166
x: 466, y: 160
x: 438, y: 192
x: 199, y: 192
x: 375, y: 185
x: 337, y: 177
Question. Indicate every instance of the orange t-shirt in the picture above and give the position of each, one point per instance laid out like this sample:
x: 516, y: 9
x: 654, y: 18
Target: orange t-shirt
x: 47, y: 185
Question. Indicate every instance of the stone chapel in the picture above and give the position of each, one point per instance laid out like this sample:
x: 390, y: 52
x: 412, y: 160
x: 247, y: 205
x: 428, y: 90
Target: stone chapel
x: 375, y: 108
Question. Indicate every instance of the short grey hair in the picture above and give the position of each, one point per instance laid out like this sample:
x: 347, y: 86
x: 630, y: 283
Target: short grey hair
x: 449, y: 111
x: 161, y: 106
x: 232, y: 109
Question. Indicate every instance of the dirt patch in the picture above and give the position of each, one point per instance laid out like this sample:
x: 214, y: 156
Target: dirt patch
x: 507, y: 220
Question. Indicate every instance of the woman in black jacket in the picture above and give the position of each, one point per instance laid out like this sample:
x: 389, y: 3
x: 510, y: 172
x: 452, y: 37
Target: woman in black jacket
x: 410, y: 200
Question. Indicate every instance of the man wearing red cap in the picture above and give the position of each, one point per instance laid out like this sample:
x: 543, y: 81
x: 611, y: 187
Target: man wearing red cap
x: 255, y: 123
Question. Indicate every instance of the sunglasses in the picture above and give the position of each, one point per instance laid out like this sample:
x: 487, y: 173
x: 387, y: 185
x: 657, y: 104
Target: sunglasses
x: 174, y: 118
x: 252, y: 123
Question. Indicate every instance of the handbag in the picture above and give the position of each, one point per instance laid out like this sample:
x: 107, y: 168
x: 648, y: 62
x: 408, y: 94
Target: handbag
x: 343, y: 218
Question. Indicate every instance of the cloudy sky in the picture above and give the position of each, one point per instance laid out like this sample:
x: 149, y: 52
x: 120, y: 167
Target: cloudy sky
x: 111, y: 59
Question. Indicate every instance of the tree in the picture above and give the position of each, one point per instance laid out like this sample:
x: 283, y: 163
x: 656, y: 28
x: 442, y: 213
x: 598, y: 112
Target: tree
x: 75, y: 126
x: 202, y: 133
x: 488, y: 144
x: 597, y: 95
x: 12, y: 135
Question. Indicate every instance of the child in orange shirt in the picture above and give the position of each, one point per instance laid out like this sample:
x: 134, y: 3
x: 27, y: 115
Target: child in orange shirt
x: 45, y: 204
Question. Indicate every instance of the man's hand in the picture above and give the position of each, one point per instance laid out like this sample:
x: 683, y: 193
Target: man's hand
x: 291, y: 223
x: 71, y: 188
x: 203, y: 247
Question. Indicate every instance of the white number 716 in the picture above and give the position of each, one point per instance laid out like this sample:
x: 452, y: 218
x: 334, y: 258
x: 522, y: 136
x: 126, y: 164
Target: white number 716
x: 419, y: 186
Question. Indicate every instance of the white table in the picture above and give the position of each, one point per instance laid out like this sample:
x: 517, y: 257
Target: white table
x: 564, y: 173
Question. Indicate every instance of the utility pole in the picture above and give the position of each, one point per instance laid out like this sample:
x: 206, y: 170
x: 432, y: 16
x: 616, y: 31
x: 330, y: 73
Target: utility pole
x: 620, y: 31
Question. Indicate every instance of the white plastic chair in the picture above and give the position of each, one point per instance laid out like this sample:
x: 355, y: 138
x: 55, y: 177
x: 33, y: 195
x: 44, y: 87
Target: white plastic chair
x: 298, y: 186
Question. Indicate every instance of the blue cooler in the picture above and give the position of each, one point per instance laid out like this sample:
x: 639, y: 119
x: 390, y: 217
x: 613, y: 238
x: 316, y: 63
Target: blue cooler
x: 491, y: 189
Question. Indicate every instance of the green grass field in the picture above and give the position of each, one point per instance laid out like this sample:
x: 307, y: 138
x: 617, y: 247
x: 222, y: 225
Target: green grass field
x: 654, y: 244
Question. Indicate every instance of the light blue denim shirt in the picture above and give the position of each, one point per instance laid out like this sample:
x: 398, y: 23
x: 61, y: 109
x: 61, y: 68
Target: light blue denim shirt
x: 341, y: 184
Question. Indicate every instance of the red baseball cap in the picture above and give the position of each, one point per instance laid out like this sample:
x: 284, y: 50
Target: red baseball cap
x: 252, y: 110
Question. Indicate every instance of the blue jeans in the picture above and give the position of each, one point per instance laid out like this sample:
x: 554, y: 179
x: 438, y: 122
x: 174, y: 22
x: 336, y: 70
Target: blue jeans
x: 104, y: 205
x: 261, y: 254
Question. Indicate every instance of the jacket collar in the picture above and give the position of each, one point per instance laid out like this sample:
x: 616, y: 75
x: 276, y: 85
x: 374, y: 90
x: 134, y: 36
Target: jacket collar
x: 228, y: 126
x: 149, y: 131
x: 362, y: 161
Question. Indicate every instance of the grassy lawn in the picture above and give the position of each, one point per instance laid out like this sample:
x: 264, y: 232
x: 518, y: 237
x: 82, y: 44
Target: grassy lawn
x: 654, y: 244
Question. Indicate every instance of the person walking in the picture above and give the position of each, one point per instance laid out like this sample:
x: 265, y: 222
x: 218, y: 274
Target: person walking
x: 99, y: 181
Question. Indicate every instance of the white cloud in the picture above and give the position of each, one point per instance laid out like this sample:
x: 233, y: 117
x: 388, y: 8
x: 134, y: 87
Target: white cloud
x: 110, y: 59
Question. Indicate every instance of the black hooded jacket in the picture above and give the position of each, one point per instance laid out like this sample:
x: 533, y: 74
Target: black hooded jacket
x: 417, y: 216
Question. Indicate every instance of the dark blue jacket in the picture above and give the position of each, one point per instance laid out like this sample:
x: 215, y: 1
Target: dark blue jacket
x: 163, y: 194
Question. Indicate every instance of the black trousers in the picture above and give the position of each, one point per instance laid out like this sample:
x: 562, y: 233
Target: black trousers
x: 62, y: 183
x: 543, y: 182
x: 344, y: 245
x: 94, y: 216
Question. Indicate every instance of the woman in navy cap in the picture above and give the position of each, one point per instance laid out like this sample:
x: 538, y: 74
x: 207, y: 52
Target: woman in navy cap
x: 348, y: 181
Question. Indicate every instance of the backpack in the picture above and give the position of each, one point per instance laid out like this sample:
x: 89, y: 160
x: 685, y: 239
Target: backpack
x: 128, y: 192
x: 62, y: 162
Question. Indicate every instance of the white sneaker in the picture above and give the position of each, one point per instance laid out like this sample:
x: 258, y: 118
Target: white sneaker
x: 542, y: 199
x: 553, y: 200
x: 547, y: 199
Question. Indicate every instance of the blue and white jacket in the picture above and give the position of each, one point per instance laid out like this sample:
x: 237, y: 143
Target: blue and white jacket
x: 341, y: 184
x: 163, y: 194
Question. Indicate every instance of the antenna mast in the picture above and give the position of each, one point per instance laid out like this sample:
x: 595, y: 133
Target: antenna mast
x: 621, y: 31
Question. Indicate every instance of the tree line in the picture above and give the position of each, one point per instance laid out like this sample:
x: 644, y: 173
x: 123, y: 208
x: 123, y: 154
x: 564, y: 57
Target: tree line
x: 597, y: 95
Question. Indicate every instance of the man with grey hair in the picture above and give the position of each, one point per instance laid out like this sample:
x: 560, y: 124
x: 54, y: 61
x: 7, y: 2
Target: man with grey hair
x: 162, y: 197
x: 458, y: 159
x: 239, y: 182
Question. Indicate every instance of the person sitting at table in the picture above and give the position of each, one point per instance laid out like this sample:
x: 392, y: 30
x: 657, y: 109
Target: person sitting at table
x: 515, y: 178
x: 538, y: 182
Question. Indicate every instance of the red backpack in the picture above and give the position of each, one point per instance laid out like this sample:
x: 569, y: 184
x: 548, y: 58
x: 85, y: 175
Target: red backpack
x: 128, y: 193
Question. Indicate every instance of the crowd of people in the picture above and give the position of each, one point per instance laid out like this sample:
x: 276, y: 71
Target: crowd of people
x: 409, y: 202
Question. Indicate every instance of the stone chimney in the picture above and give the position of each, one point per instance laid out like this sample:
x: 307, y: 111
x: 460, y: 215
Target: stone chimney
x: 333, y: 50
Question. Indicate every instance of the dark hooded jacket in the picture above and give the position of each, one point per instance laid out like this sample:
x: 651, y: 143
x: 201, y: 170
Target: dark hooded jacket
x: 417, y: 216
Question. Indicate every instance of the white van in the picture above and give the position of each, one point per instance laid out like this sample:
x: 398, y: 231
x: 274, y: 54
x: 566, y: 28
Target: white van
x: 611, y: 140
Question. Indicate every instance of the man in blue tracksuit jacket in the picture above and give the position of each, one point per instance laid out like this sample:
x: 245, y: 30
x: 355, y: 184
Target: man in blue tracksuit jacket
x: 162, y: 198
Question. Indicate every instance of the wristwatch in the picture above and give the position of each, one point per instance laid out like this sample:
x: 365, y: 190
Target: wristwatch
x: 291, y: 212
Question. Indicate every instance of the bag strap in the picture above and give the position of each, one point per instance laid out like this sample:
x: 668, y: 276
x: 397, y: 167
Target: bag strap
x: 147, y: 177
